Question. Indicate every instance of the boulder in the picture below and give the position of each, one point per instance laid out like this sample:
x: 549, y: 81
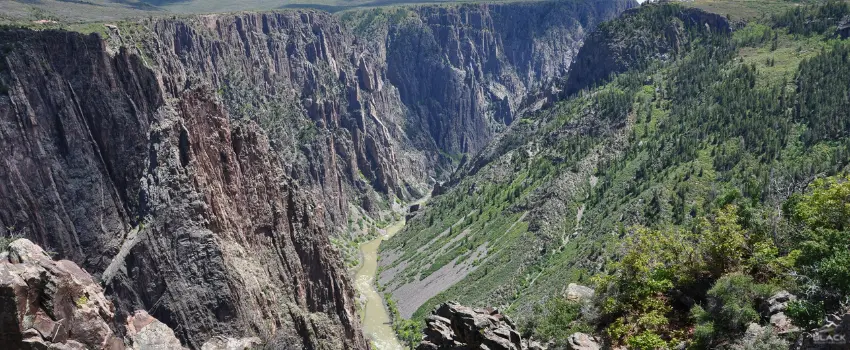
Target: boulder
x: 533, y: 345
x: 582, y: 341
x: 576, y: 292
x: 782, y: 323
x: 146, y: 332
x: 414, y: 208
x: 46, y: 304
x: 843, y: 29
x: 454, y: 326
x: 224, y: 343
x: 51, y: 304
x: 776, y: 303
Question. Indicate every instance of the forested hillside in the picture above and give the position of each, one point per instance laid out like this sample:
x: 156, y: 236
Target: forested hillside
x: 700, y: 170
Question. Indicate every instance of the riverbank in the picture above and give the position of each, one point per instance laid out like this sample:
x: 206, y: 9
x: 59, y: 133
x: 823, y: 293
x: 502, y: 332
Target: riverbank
x: 376, y: 321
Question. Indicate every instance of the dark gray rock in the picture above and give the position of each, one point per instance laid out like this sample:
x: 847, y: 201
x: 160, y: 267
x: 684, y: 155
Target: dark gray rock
x: 776, y: 303
x: 179, y: 208
x: 843, y: 29
x: 609, y: 51
x: 453, y: 326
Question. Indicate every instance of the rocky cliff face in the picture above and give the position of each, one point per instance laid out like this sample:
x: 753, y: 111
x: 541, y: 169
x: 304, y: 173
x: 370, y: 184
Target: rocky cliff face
x: 196, y: 166
x: 466, y: 72
x: 176, y: 207
x: 454, y: 326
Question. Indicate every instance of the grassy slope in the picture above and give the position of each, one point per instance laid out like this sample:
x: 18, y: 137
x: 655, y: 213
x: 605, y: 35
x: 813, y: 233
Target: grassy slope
x: 743, y: 9
x: 525, y: 267
x: 747, y: 10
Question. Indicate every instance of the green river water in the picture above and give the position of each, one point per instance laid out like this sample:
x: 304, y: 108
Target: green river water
x: 374, y: 317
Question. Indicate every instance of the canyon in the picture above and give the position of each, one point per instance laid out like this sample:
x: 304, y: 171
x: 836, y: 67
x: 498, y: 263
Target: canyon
x: 200, y: 166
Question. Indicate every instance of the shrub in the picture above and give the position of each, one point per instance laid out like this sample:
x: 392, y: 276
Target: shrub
x: 723, y: 241
x: 5, y: 241
x: 647, y: 341
x: 635, y: 295
x: 805, y: 313
x: 559, y: 318
x: 732, y: 303
x: 823, y: 240
x: 767, y: 339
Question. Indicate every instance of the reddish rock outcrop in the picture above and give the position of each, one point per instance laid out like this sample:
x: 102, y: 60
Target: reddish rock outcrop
x: 51, y: 304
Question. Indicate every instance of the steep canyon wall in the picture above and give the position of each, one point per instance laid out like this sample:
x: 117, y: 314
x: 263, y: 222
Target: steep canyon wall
x: 198, y: 165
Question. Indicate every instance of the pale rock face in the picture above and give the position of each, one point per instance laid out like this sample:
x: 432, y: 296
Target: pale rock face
x: 146, y: 332
x: 782, y: 323
x: 223, y: 343
x: 576, y: 292
x: 582, y: 341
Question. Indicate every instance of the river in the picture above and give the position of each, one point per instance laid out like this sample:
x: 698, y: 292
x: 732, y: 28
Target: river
x: 374, y: 317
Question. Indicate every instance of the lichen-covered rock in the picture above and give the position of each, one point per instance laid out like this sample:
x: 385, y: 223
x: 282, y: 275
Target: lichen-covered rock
x: 51, y: 304
x: 782, y: 324
x: 576, y: 292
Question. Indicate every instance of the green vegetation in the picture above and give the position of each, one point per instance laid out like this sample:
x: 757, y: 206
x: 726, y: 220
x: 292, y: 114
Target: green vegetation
x: 37, y: 13
x: 409, y: 332
x: 744, y: 9
x: 720, y: 261
x: 82, y: 301
x: 691, y: 188
x: 369, y: 23
x: 557, y: 319
x: 348, y: 243
x: 822, y: 235
x: 5, y: 241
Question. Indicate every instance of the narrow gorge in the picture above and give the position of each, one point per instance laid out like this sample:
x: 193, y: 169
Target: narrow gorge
x: 215, y: 170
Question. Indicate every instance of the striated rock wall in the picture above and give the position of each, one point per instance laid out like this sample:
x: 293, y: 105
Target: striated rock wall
x: 467, y: 71
x: 196, y: 166
x: 176, y: 207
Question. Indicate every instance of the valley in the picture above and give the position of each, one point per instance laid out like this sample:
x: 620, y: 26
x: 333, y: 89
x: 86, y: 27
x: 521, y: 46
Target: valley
x: 575, y: 174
